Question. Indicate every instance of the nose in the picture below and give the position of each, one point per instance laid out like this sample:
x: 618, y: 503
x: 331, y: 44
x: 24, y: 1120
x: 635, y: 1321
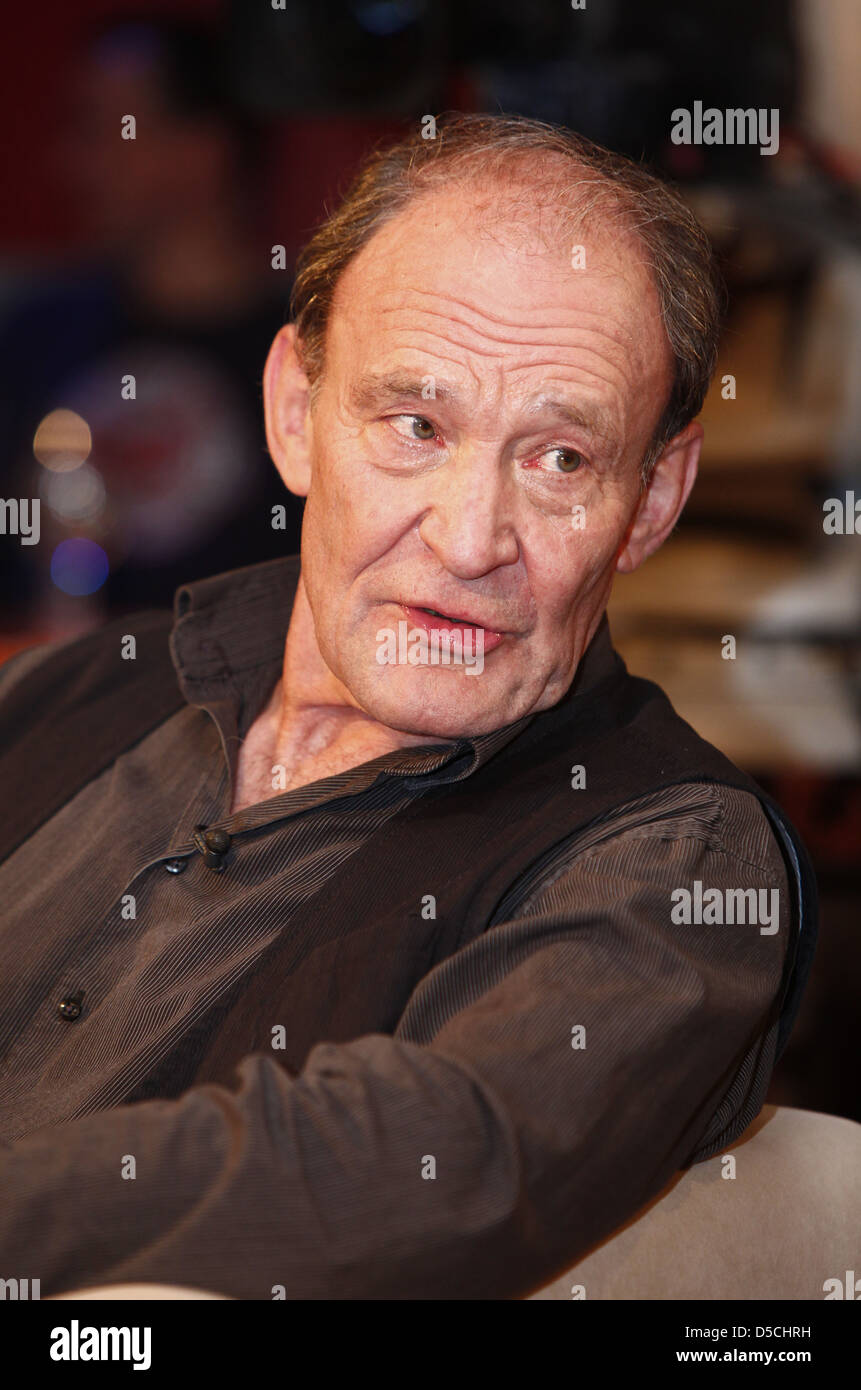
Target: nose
x: 469, y: 522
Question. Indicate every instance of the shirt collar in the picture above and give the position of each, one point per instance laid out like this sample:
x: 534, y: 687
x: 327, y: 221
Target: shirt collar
x: 227, y: 646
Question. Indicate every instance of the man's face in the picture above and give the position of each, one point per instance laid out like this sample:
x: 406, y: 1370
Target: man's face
x: 475, y: 450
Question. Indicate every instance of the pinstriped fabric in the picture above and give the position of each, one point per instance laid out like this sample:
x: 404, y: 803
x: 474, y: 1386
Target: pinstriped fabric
x: 95, y: 909
x: 617, y: 882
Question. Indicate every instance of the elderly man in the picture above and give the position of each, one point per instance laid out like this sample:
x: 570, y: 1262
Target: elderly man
x: 369, y: 931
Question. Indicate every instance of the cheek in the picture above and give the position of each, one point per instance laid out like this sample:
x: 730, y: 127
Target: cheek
x: 566, y: 564
x: 580, y: 541
x: 336, y: 496
x: 352, y: 511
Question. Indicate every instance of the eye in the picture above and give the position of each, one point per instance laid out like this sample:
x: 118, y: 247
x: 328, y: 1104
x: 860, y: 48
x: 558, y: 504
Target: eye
x: 569, y: 459
x: 420, y: 427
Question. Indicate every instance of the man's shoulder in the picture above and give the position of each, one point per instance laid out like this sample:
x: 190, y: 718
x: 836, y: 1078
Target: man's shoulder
x: 20, y: 664
x: 725, y: 818
x: 69, y: 709
x: 658, y: 837
x: 40, y: 664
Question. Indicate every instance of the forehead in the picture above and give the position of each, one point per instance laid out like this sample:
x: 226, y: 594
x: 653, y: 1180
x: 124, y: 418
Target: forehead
x: 483, y: 273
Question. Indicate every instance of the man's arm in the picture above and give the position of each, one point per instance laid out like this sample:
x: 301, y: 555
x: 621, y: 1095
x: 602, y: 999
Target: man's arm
x: 476, y: 1164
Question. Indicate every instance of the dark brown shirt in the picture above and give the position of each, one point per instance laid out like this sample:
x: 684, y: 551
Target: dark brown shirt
x: 299, y: 1180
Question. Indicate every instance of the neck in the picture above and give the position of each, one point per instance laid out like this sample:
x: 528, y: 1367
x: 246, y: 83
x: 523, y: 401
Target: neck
x: 314, y: 716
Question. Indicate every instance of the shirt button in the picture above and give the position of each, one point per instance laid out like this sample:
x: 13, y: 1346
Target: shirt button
x: 70, y: 1008
x: 217, y: 840
x: 176, y: 866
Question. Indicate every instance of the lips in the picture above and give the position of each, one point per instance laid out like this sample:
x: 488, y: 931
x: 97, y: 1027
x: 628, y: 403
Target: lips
x: 432, y: 620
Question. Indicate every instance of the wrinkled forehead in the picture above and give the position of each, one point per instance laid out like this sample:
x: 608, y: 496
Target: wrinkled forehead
x: 527, y: 247
x: 500, y: 268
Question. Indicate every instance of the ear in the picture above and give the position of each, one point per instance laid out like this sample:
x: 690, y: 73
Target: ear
x: 286, y: 407
x: 666, y: 494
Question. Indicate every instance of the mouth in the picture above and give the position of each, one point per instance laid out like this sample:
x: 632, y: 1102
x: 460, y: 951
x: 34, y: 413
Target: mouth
x: 451, y: 618
x: 431, y: 619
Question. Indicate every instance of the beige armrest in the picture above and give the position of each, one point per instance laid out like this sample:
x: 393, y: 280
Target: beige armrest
x: 110, y: 1293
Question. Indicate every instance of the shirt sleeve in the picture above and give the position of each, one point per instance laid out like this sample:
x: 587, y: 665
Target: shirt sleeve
x: 477, y: 1153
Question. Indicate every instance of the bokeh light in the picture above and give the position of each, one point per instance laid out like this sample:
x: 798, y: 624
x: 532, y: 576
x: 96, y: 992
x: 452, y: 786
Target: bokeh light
x: 79, y: 566
x: 62, y: 441
x: 74, y: 497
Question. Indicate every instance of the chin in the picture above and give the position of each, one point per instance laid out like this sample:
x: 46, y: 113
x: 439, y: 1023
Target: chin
x: 438, y: 704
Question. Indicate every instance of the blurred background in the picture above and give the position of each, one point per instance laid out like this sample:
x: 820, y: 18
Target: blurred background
x: 141, y: 282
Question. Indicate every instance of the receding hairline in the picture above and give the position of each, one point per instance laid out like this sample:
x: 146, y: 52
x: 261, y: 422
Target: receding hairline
x: 567, y: 206
x: 601, y: 215
x: 534, y: 164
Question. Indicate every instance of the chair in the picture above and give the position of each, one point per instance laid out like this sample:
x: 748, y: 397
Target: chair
x: 788, y: 1221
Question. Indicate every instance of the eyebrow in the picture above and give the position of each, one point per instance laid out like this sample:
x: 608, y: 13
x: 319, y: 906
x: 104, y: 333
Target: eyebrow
x: 375, y: 389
